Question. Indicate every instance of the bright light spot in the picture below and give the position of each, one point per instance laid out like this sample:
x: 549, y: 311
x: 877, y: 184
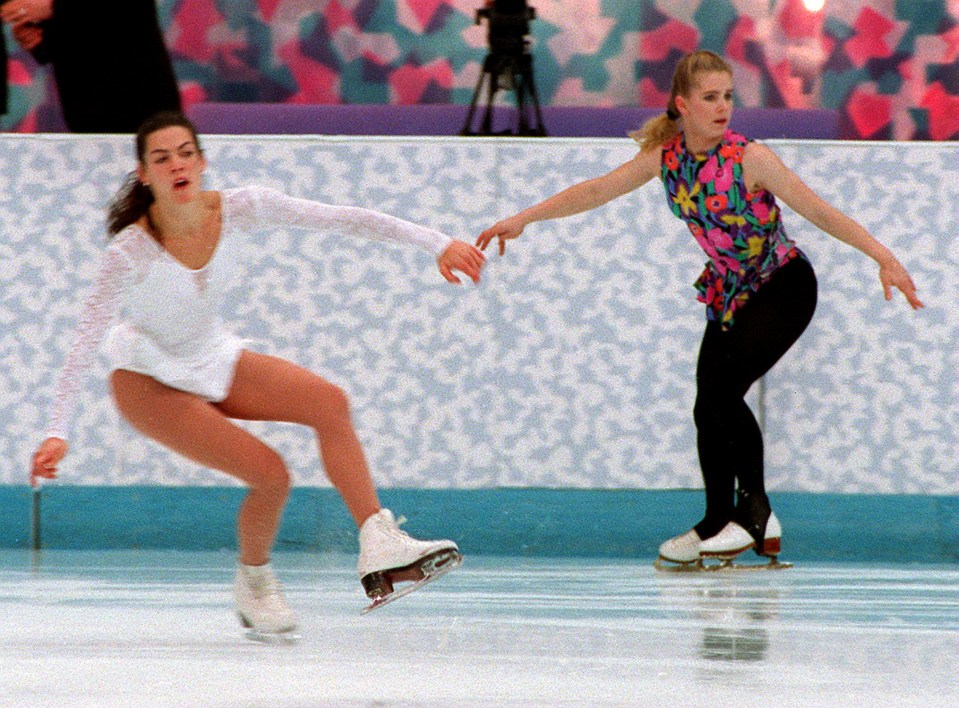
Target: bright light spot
x: 814, y: 5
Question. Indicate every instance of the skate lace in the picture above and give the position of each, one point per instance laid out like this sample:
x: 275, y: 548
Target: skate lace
x: 395, y: 531
x: 267, y: 587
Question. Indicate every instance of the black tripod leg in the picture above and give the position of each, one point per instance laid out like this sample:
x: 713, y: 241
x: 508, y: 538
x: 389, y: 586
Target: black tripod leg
x: 468, y: 124
x: 490, y: 96
x: 540, y: 128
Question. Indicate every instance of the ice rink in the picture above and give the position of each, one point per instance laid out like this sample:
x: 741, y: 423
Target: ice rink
x: 157, y: 628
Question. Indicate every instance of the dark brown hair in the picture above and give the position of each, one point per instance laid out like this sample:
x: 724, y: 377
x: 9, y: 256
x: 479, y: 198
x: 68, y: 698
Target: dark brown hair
x: 659, y: 130
x: 134, y: 198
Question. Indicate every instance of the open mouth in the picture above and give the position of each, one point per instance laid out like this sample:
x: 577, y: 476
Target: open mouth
x: 180, y: 183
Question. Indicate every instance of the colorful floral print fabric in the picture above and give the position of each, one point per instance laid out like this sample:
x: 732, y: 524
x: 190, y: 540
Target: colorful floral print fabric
x: 740, y: 231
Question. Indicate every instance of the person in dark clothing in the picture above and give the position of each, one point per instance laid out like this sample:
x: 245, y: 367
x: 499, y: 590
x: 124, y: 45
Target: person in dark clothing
x: 4, y: 93
x: 109, y: 61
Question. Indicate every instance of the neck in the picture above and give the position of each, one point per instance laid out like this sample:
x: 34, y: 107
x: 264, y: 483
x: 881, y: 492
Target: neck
x: 697, y: 143
x: 171, y: 220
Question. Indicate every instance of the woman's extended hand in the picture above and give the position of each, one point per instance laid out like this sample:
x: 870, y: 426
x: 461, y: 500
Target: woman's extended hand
x: 892, y: 274
x: 463, y: 257
x: 26, y: 12
x: 503, y: 230
x: 46, y: 459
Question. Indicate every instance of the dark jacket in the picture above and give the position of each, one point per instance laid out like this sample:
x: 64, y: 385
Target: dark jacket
x: 110, y: 64
x: 4, y: 93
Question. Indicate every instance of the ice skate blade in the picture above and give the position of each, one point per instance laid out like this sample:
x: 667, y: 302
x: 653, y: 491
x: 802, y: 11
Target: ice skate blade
x: 722, y: 566
x: 275, y: 638
x: 443, y: 562
x: 285, y: 637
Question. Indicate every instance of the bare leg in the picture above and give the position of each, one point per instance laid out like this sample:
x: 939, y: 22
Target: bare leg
x: 201, y: 432
x: 268, y: 388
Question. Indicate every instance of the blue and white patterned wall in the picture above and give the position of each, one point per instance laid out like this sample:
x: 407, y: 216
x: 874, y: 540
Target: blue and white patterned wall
x: 571, y: 365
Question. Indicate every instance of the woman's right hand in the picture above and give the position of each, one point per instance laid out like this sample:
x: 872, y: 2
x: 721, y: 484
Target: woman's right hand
x: 503, y: 230
x: 28, y: 36
x: 46, y: 459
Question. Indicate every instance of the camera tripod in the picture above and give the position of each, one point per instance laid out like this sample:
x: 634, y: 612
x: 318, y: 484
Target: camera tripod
x: 511, y: 71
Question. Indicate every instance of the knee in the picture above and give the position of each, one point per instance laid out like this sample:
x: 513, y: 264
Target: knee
x: 711, y: 406
x: 332, y: 406
x: 273, y: 477
x: 701, y: 416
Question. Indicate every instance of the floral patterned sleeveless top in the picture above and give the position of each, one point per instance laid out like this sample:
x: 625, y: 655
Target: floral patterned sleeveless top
x: 740, y: 231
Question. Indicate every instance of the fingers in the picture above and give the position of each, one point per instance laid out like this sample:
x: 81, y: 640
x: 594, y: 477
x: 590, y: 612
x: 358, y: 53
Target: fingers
x: 463, y: 257
x: 448, y: 274
x: 482, y: 241
x: 44, y: 466
x: 911, y: 297
x: 27, y: 36
x: 46, y: 459
x: 896, y: 276
x: 15, y: 15
x: 503, y: 231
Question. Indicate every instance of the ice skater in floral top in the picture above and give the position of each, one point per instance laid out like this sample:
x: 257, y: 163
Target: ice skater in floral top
x: 758, y: 287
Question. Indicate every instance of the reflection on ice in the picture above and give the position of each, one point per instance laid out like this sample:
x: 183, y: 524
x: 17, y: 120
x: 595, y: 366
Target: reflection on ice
x: 124, y: 625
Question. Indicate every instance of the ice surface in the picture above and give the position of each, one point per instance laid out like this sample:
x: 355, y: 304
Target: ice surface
x: 152, y: 628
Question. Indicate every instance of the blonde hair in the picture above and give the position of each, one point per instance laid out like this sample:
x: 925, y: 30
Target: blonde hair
x: 664, y: 127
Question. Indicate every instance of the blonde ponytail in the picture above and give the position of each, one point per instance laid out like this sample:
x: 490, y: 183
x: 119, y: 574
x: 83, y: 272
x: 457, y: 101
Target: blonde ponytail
x: 656, y: 132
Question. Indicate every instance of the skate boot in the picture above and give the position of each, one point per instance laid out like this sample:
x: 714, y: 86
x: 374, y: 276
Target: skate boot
x: 261, y: 605
x: 682, y: 551
x: 734, y: 540
x: 389, y: 555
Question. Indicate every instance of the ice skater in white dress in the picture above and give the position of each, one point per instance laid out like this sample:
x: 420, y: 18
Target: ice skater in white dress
x: 179, y: 375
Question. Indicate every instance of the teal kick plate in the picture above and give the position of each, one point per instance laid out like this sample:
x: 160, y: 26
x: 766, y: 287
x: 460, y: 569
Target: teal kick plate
x: 505, y: 521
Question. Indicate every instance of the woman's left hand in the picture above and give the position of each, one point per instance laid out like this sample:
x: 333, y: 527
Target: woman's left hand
x: 892, y: 274
x: 463, y: 257
x: 21, y: 12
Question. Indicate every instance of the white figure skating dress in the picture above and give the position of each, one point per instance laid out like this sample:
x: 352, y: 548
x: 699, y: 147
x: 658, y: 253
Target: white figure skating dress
x: 158, y: 317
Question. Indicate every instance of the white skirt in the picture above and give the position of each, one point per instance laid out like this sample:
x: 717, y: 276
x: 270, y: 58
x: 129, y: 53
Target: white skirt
x: 207, y: 370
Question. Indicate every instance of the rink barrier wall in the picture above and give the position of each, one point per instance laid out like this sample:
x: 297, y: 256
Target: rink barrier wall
x: 510, y: 522
x: 572, y: 365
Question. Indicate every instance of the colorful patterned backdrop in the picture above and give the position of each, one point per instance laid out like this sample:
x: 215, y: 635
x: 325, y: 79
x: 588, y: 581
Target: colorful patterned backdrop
x: 890, y: 66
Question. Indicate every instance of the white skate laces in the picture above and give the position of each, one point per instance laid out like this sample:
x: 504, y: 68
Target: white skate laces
x: 260, y: 602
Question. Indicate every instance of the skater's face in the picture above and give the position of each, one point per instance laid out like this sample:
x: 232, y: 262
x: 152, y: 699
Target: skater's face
x: 707, y: 107
x: 172, y: 164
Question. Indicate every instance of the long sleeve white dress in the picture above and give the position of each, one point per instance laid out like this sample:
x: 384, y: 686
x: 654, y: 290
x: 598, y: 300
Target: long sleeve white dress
x: 158, y: 317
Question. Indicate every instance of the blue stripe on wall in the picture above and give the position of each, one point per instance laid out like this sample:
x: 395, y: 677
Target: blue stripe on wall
x: 509, y: 521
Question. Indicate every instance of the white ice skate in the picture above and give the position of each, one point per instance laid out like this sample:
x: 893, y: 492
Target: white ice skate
x: 680, y: 552
x: 261, y: 605
x: 389, y: 555
x: 733, y: 540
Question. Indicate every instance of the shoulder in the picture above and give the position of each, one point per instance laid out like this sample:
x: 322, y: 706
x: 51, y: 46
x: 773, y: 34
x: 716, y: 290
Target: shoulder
x: 131, y: 234
x: 248, y: 207
x: 647, y: 161
x: 733, y: 138
x: 248, y: 196
x: 133, y: 245
x: 765, y: 170
x: 758, y: 155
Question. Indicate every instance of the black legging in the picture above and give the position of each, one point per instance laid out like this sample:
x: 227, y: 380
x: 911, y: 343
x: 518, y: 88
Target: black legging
x: 729, y: 440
